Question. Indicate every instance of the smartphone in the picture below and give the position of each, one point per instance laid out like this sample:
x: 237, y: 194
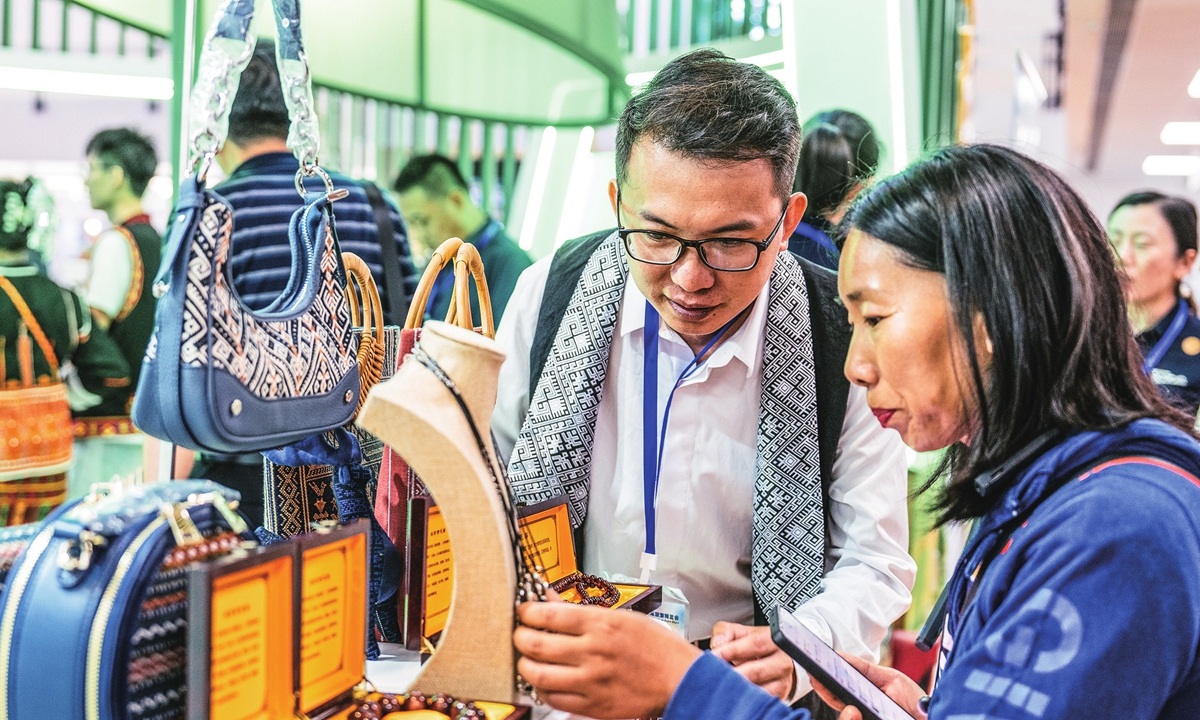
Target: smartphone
x: 831, y: 670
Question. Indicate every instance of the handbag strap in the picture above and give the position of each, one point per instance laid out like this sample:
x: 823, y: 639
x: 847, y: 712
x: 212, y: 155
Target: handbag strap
x: 469, y: 266
x: 393, y: 284
x: 441, y: 256
x: 227, y: 50
x: 31, y: 322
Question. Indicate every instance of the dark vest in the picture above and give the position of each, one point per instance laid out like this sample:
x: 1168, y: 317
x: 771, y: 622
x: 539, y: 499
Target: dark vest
x: 133, y: 330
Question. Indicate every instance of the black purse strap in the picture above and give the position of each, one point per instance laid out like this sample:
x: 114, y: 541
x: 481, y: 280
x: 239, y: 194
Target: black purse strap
x: 393, y: 284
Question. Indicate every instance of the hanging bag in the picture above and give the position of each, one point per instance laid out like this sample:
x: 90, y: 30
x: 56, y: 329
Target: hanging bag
x: 217, y: 375
x: 36, y: 443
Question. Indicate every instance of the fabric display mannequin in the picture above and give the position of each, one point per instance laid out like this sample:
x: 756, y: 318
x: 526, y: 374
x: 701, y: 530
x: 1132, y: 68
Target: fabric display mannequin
x: 419, y: 418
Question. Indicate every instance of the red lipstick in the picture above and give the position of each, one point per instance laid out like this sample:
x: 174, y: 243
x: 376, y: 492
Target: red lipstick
x: 883, y: 416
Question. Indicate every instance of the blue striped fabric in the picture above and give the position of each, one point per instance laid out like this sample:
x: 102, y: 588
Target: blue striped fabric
x: 263, y: 194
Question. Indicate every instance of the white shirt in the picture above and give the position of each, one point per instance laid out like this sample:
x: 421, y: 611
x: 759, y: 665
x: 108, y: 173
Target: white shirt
x: 111, y: 274
x: 706, y: 489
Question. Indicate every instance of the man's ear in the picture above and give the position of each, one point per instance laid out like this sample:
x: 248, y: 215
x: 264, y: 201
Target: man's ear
x: 797, y: 204
x: 119, y: 178
x: 612, y: 196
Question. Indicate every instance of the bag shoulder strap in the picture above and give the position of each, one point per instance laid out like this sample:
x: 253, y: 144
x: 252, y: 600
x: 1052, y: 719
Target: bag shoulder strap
x: 565, y: 270
x: 393, y: 283
x: 136, y: 277
x: 31, y: 322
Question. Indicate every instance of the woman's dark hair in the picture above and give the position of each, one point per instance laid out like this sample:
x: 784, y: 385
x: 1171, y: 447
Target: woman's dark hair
x: 259, y: 111
x: 1020, y: 250
x: 839, y: 151
x: 706, y: 105
x: 16, y: 219
x: 1179, y: 213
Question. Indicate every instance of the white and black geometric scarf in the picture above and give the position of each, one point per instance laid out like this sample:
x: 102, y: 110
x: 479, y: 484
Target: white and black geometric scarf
x: 553, y: 452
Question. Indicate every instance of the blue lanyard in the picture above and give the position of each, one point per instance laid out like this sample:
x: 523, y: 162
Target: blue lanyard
x: 654, y: 439
x: 1155, y: 356
x: 445, y: 279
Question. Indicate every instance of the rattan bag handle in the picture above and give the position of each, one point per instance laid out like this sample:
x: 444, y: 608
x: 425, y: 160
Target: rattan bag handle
x: 444, y: 254
x: 469, y: 266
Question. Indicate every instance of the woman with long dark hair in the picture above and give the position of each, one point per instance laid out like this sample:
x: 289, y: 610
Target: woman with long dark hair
x: 987, y: 317
x: 838, y: 157
x: 1154, y: 237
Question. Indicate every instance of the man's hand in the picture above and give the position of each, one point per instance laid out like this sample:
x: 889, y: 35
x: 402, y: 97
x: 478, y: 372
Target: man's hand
x: 598, y: 662
x: 753, y: 654
x: 893, y: 683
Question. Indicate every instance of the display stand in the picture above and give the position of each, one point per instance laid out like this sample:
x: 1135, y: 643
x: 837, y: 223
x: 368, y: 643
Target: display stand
x: 415, y: 414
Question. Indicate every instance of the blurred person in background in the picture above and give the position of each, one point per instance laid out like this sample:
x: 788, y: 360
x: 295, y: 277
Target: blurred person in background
x: 436, y: 202
x: 838, y: 158
x: 261, y: 190
x: 124, y: 260
x: 1154, y: 237
x: 47, y: 335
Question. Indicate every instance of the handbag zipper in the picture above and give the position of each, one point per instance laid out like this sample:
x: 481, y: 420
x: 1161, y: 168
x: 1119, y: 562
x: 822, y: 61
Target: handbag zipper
x: 11, y: 605
x: 91, y: 686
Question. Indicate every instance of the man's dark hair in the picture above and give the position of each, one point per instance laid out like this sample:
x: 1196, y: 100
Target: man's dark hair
x: 709, y: 106
x: 437, y: 175
x: 1179, y: 213
x: 839, y: 151
x: 1020, y: 250
x: 16, y: 221
x: 129, y: 150
x: 259, y: 111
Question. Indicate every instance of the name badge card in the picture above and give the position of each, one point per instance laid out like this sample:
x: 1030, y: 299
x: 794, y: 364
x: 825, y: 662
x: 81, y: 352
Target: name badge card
x: 241, y: 637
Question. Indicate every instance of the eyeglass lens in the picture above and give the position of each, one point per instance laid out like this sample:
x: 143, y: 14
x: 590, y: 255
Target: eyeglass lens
x: 720, y: 254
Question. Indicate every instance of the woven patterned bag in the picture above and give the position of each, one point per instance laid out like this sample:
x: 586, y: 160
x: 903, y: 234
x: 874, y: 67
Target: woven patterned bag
x: 36, y: 448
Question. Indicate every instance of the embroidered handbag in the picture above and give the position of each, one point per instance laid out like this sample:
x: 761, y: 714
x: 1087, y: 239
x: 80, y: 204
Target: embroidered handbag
x: 218, y: 376
x: 93, y: 619
x: 36, y: 447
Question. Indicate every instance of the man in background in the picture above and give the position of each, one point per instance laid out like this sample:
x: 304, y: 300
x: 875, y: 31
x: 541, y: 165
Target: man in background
x: 124, y: 261
x: 436, y: 202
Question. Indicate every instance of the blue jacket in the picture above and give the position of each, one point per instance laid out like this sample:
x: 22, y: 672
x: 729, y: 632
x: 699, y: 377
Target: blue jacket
x: 1090, y: 609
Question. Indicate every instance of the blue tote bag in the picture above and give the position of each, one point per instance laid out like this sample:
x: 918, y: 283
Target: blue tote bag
x: 218, y: 376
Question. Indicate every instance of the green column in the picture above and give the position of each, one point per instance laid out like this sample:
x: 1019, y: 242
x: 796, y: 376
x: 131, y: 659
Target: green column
x: 508, y: 173
x: 466, y: 158
x: 443, y: 134
x: 487, y: 170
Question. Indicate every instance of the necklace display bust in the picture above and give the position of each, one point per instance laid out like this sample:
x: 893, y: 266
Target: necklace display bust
x: 417, y: 416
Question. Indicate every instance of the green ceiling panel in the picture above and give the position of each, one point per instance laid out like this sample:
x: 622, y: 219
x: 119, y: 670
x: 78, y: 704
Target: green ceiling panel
x: 532, y: 61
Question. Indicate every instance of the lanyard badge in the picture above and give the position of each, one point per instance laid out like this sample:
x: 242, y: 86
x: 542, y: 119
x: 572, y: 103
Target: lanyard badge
x: 653, y: 439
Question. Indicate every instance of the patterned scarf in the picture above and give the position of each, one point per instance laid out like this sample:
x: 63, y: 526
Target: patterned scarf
x: 553, y: 453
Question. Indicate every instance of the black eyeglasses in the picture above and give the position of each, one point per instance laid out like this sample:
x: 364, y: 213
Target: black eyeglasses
x: 726, y: 254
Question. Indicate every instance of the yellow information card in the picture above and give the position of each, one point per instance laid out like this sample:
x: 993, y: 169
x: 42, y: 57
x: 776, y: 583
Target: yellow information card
x: 547, y: 542
x: 439, y: 574
x: 332, y: 620
x: 251, y: 650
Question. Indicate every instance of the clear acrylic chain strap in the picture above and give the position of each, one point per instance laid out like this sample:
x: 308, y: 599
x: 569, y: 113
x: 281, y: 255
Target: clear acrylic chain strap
x: 530, y: 583
x: 227, y: 50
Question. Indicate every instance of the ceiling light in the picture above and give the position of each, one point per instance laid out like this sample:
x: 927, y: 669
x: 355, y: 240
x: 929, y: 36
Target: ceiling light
x: 1181, y: 133
x: 1194, y: 87
x: 1173, y: 165
x: 86, y: 83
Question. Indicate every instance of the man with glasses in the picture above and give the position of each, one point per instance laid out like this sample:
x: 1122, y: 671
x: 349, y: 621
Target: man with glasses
x: 680, y: 381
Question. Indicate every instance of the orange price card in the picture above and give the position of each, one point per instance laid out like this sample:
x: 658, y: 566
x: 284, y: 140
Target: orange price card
x: 547, y: 540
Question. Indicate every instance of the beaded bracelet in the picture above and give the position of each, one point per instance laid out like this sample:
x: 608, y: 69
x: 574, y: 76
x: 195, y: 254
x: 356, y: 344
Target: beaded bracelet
x: 444, y: 704
x: 609, y: 596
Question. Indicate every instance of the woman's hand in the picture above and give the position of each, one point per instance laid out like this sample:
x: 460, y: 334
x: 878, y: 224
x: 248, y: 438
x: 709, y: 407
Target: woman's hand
x: 755, y: 656
x: 893, y: 683
x: 599, y: 662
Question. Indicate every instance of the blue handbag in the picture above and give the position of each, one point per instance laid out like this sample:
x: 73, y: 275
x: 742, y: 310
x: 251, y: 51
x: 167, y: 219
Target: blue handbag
x: 218, y: 376
x: 93, y: 617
